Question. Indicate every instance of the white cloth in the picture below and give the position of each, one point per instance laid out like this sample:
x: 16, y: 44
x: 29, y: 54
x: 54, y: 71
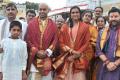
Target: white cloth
x: 37, y: 76
x: 6, y: 24
x: 48, y: 77
x: 33, y: 69
x: 49, y: 52
x: 14, y: 58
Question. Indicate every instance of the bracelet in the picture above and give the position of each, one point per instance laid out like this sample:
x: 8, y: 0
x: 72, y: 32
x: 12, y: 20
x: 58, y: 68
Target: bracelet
x: 115, y: 64
x: 106, y: 61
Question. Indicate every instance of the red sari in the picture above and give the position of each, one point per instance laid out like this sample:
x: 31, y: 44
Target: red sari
x: 80, y: 44
x: 38, y: 40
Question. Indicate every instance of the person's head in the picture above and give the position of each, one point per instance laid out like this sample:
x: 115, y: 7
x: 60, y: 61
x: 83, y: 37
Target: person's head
x: 87, y: 16
x: 114, y: 16
x: 59, y: 22
x: 11, y: 11
x: 100, y: 21
x: 15, y: 29
x: 22, y: 18
x: 98, y: 11
x: 30, y: 14
x: 43, y: 11
x: 75, y: 13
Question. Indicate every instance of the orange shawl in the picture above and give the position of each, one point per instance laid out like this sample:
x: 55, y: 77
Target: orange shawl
x: 81, y: 43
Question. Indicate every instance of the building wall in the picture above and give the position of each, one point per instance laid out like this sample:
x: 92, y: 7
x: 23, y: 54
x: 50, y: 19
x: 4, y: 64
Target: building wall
x: 108, y: 4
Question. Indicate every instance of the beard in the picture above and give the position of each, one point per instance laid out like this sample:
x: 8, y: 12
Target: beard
x: 43, y: 15
x: 114, y: 22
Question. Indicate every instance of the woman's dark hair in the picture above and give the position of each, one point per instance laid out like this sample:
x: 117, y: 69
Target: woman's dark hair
x: 101, y: 17
x: 15, y: 23
x: 70, y: 19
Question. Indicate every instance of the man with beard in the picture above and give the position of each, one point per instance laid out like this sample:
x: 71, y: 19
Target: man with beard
x: 41, y: 39
x: 11, y: 12
x: 108, y: 49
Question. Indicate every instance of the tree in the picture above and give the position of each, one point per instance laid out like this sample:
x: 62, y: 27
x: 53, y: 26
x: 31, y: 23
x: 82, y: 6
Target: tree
x: 30, y: 5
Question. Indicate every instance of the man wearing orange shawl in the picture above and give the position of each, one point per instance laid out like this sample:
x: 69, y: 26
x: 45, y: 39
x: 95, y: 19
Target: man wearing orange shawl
x: 41, y: 39
x: 74, y: 39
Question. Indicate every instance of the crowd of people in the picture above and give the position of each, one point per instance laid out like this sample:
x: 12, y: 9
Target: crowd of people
x: 86, y: 46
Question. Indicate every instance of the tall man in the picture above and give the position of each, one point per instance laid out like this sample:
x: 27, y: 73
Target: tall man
x: 41, y: 39
x: 108, y: 49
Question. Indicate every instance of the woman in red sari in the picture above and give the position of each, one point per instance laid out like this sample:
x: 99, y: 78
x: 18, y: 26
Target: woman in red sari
x: 74, y: 40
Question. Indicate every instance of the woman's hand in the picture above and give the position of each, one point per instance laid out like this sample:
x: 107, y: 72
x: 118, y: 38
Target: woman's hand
x: 70, y: 58
x: 76, y: 54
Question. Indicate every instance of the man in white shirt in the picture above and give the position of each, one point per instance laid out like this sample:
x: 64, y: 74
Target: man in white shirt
x: 11, y: 13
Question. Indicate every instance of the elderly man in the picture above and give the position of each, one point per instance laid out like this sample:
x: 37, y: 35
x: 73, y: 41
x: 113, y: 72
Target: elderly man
x: 41, y: 38
x: 59, y: 22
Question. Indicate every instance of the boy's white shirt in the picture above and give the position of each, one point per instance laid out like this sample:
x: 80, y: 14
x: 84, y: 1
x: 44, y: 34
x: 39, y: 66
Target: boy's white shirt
x: 6, y: 24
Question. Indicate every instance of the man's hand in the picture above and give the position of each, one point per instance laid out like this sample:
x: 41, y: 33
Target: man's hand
x: 24, y: 75
x: 41, y: 54
x: 111, y: 66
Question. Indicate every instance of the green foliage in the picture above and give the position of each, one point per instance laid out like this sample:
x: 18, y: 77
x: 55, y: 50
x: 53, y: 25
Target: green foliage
x: 30, y: 5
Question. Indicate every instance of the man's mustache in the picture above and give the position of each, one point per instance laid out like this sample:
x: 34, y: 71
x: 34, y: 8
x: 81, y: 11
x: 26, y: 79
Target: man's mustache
x: 10, y: 14
x: 114, y: 21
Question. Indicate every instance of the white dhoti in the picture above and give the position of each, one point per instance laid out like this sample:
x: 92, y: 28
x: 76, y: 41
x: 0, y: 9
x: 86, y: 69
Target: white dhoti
x: 37, y: 76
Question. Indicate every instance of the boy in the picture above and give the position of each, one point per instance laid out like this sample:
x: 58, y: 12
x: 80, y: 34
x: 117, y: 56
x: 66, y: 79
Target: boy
x: 14, y: 56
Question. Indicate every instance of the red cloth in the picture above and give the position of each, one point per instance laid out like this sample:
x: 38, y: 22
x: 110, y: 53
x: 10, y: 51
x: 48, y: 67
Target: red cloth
x: 33, y: 34
x: 33, y: 37
x: 81, y: 44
